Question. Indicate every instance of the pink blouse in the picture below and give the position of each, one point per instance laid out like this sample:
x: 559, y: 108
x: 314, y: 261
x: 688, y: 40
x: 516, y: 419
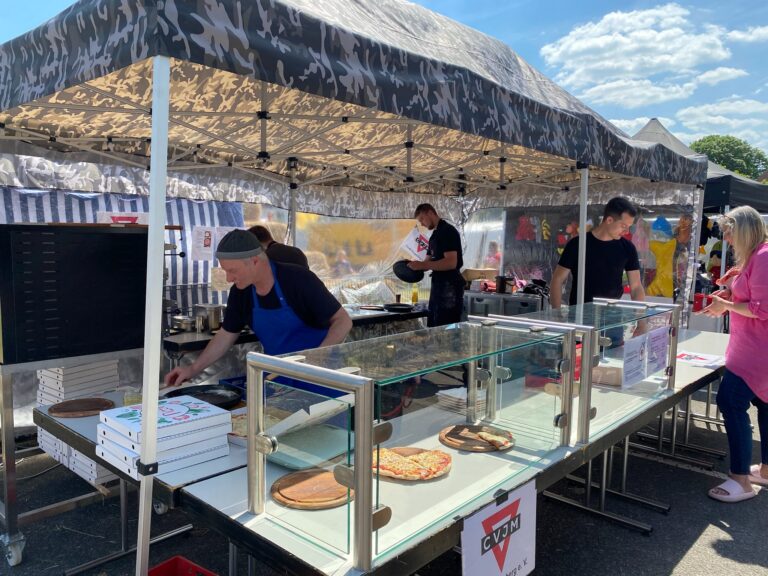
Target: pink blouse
x: 746, y: 353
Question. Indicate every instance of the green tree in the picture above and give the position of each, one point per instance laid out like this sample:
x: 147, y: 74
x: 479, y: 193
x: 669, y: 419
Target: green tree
x: 732, y: 153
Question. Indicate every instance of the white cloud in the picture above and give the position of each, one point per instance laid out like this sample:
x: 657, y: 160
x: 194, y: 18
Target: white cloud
x: 633, y: 125
x: 741, y: 117
x: 636, y: 93
x: 751, y: 34
x: 635, y: 44
x: 643, y: 57
x: 721, y: 74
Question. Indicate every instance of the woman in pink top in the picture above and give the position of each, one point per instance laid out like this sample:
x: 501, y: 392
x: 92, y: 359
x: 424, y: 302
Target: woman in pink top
x: 745, y: 379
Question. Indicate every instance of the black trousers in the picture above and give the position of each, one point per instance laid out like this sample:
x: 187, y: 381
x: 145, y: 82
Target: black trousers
x: 446, y: 302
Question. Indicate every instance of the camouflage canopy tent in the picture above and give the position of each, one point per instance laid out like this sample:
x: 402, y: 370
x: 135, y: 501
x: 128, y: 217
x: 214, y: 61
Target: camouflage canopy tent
x: 365, y: 106
x: 362, y: 108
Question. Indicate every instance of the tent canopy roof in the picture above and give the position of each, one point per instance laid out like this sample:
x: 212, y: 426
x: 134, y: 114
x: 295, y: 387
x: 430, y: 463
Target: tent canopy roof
x: 724, y: 187
x: 380, y: 96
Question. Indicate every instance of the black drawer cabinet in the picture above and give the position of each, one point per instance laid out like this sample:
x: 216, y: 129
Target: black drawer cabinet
x: 69, y: 290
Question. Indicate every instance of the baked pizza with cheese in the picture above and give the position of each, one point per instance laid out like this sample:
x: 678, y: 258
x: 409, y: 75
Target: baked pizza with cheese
x: 411, y: 464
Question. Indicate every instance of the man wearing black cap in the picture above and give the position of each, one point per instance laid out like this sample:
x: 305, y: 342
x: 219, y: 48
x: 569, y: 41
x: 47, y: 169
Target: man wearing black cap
x: 444, y: 259
x: 287, y: 306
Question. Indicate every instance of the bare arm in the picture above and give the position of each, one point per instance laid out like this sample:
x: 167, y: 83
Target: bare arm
x: 448, y: 262
x: 340, y: 326
x: 216, y: 348
x: 636, y: 290
x: 720, y: 306
x: 556, y: 288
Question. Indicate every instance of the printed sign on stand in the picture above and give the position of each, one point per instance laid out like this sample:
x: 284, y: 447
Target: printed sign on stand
x: 658, y: 344
x: 500, y: 539
x: 635, y: 352
x: 416, y: 244
x: 202, y: 243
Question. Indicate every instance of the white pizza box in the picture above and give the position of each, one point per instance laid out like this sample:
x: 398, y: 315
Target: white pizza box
x: 88, y: 465
x: 174, y: 416
x: 105, y: 433
x: 83, y: 367
x: 65, y: 386
x: 45, y: 437
x: 90, y: 374
x: 45, y: 394
x: 163, y: 467
x: 131, y: 458
x: 101, y: 477
x: 82, y: 459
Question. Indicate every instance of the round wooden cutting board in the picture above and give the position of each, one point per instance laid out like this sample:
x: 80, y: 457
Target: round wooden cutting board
x: 80, y: 407
x: 313, y: 489
x: 464, y: 437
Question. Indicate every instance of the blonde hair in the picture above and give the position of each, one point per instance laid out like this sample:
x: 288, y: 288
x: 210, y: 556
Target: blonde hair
x: 747, y: 231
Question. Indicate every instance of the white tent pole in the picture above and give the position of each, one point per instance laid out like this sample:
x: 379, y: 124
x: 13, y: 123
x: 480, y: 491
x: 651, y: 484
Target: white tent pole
x: 161, y: 74
x: 581, y: 266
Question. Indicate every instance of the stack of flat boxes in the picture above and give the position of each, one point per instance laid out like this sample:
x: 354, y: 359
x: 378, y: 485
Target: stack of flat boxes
x: 59, y: 384
x: 189, y: 432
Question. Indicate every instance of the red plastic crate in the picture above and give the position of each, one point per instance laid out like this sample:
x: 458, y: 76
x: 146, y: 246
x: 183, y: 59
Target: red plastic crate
x: 179, y: 566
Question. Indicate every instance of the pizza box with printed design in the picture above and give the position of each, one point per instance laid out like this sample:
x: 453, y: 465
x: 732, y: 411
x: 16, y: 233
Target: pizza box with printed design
x: 106, y: 434
x: 174, y: 416
x: 168, y: 466
x: 131, y: 458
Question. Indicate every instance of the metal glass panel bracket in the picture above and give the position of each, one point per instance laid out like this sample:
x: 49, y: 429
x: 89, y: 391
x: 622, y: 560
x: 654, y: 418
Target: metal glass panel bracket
x: 563, y: 419
x: 359, y: 475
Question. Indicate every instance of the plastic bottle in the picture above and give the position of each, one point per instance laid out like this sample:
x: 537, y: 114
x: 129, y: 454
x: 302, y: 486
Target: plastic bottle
x: 415, y: 294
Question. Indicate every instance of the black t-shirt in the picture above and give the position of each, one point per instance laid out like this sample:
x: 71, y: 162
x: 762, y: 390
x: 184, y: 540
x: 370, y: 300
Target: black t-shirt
x: 445, y: 238
x: 304, y: 292
x: 606, y: 262
x: 287, y: 254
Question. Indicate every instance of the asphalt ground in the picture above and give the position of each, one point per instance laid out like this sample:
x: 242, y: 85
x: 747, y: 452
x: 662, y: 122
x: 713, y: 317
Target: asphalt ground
x: 699, y: 536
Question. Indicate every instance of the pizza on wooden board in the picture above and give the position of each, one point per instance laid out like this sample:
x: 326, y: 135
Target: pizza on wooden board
x: 411, y: 463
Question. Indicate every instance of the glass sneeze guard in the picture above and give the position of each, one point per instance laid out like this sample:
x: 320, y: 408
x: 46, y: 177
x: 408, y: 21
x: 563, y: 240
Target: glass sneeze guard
x: 403, y: 391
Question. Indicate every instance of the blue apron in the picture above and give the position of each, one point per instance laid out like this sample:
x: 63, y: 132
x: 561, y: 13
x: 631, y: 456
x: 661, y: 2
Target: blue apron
x: 281, y: 331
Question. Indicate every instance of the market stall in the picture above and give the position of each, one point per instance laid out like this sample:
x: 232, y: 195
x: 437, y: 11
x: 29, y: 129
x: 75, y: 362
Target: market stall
x: 319, y: 108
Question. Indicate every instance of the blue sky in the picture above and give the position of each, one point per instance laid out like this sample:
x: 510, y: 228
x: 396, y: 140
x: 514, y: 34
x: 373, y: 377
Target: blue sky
x: 700, y: 68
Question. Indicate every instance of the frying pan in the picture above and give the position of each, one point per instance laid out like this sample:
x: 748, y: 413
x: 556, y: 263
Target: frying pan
x: 398, y: 307
x: 401, y: 270
x: 221, y: 395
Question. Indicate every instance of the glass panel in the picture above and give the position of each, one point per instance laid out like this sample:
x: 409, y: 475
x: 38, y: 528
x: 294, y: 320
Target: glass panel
x: 631, y: 373
x: 313, y: 426
x: 599, y: 315
x: 392, y: 359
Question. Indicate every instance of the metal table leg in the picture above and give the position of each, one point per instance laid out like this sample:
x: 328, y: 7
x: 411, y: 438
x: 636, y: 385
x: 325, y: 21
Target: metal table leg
x: 12, y: 540
x: 232, y: 559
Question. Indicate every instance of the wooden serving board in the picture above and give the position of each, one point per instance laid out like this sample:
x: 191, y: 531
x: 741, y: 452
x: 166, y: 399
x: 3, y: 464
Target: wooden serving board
x: 464, y: 437
x: 80, y: 407
x: 313, y: 489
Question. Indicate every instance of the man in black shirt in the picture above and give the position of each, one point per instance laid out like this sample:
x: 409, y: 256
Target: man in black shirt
x: 278, y: 252
x: 608, y: 256
x: 444, y: 259
x: 286, y: 306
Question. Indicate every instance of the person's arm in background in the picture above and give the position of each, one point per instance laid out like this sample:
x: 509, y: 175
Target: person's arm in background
x: 216, y: 348
x: 757, y: 307
x: 559, y: 277
x: 340, y: 325
x: 448, y: 262
x: 636, y: 290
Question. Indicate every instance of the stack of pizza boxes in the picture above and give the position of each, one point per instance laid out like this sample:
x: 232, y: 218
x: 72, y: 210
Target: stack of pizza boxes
x: 59, y: 384
x: 189, y: 432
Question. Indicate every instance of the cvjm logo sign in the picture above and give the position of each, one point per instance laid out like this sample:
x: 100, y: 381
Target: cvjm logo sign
x: 506, y: 534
